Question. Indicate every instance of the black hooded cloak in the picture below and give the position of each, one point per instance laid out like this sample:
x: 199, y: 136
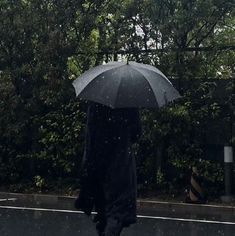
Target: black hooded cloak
x: 108, y: 182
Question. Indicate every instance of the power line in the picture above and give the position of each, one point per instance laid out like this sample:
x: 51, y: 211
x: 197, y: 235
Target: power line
x: 188, y: 49
x: 151, y: 51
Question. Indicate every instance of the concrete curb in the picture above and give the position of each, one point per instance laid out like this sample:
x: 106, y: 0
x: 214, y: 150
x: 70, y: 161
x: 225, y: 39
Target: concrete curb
x: 150, y: 207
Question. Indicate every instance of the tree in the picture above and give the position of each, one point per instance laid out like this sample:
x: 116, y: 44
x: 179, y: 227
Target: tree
x: 45, y: 44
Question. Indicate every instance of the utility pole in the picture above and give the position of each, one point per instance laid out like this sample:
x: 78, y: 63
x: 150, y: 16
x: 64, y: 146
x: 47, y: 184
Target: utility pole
x: 228, y: 155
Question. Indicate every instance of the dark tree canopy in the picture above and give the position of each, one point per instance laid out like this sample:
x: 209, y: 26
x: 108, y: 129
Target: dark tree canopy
x: 44, y: 45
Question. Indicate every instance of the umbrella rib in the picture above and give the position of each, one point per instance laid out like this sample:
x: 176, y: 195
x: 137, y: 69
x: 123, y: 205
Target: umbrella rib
x: 151, y: 68
x: 136, y: 69
x: 77, y: 82
x: 118, y: 88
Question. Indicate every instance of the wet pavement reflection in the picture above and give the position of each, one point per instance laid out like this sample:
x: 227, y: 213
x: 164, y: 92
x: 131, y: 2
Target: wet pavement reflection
x: 29, y: 222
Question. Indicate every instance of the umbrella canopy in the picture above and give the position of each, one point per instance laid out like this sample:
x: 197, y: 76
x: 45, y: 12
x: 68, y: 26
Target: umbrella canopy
x: 121, y: 85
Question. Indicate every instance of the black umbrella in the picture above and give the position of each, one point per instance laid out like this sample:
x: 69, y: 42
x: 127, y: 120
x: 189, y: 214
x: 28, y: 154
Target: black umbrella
x: 121, y: 84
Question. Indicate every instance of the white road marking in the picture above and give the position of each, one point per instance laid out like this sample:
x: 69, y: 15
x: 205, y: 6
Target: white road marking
x: 187, y: 220
x: 139, y: 216
x: 7, y: 199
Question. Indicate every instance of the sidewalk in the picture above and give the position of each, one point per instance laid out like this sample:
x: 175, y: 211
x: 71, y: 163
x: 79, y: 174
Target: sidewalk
x: 145, y: 207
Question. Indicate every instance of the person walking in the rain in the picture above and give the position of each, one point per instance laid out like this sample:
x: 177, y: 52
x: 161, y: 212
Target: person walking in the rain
x: 108, y: 182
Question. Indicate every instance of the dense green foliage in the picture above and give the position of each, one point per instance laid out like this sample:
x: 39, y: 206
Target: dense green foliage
x: 45, y: 44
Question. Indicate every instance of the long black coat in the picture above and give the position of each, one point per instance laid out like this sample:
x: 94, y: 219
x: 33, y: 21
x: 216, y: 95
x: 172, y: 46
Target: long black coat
x: 109, y: 173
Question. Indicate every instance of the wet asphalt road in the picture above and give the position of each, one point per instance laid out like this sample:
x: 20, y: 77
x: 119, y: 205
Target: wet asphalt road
x: 46, y: 222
